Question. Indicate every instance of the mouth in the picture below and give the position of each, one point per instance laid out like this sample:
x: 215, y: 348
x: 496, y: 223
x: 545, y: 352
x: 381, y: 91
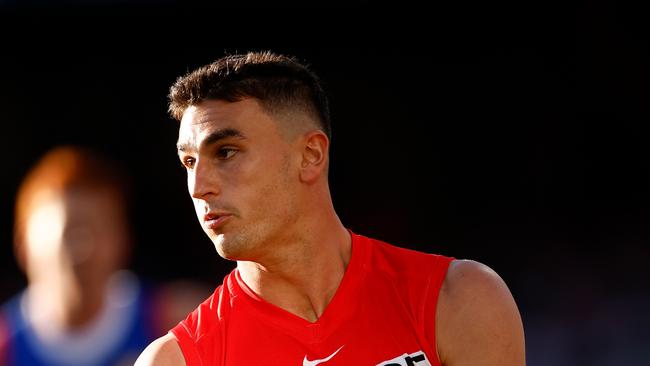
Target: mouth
x: 214, y: 221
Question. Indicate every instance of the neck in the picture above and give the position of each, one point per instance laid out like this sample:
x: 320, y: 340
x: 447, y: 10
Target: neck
x: 56, y: 309
x: 303, y: 276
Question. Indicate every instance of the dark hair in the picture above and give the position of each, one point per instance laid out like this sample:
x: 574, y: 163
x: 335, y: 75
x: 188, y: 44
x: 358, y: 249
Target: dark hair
x: 279, y: 82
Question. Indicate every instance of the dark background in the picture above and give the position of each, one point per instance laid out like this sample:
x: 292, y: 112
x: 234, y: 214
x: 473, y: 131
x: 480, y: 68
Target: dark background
x: 506, y: 133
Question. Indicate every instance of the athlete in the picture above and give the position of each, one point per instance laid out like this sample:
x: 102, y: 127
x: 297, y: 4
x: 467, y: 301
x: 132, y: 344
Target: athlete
x: 72, y: 238
x: 254, y: 137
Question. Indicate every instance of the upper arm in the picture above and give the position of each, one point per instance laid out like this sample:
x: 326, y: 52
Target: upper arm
x: 477, y: 321
x: 164, y: 351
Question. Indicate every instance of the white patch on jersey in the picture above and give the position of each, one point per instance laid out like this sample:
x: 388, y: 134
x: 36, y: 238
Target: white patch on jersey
x: 414, y: 359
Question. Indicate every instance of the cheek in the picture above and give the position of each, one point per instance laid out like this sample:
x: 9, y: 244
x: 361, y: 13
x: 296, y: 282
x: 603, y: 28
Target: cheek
x: 44, y: 236
x: 95, y: 245
x: 190, y: 183
x: 83, y: 243
x: 108, y: 253
x: 260, y: 188
x: 199, y: 208
x: 276, y: 196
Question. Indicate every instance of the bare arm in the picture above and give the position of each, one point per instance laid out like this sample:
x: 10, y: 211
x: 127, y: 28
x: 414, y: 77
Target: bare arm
x: 477, y: 320
x: 164, y: 351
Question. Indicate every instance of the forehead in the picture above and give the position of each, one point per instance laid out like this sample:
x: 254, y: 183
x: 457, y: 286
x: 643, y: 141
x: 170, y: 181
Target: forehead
x: 201, y: 120
x: 79, y: 202
x: 53, y: 210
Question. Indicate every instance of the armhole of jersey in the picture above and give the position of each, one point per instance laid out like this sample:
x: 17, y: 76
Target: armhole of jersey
x: 434, y: 285
x: 186, y: 344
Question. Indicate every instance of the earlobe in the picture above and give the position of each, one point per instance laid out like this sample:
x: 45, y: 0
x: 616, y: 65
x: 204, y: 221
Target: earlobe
x: 314, y: 156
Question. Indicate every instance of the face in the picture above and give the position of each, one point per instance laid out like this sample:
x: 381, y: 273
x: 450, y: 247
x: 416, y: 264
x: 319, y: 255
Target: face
x: 242, y: 176
x: 77, y: 237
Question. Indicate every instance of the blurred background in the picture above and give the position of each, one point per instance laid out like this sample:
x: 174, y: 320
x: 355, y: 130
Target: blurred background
x: 512, y: 134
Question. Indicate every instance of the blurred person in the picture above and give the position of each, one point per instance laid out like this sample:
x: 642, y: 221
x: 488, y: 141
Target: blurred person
x: 254, y: 137
x: 72, y: 240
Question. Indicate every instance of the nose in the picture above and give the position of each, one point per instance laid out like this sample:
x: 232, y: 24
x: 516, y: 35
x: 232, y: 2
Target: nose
x: 202, y: 181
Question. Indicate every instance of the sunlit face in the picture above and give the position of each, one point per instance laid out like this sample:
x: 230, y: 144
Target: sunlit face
x: 77, y: 236
x: 241, y: 176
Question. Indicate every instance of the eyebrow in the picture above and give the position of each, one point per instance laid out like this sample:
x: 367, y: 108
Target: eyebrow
x: 213, y: 138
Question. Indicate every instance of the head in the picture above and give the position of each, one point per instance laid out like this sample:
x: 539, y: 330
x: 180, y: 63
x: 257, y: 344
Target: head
x: 254, y: 137
x: 71, y: 220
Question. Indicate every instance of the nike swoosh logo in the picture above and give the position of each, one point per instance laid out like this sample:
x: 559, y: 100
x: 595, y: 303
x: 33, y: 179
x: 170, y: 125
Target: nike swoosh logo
x: 306, y: 362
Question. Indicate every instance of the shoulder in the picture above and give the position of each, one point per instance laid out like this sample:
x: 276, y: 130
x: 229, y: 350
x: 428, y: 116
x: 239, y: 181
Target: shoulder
x: 164, y: 351
x: 477, y: 313
x: 418, y: 275
x: 467, y: 276
x: 198, y: 336
x: 401, y: 260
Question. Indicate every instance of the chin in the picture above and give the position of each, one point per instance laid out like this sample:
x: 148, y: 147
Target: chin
x: 218, y: 241
x: 230, y: 254
x: 227, y: 249
x: 237, y: 245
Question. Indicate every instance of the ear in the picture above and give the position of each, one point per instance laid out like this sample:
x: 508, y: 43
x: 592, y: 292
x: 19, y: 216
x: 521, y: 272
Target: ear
x: 314, y: 156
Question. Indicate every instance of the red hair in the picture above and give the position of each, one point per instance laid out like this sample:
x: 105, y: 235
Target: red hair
x: 63, y: 169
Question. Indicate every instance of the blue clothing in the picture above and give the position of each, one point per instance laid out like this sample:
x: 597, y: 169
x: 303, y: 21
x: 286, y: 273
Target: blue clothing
x: 118, y: 335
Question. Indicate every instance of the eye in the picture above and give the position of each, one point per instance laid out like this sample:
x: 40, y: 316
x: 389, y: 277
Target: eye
x: 188, y: 162
x: 226, y: 153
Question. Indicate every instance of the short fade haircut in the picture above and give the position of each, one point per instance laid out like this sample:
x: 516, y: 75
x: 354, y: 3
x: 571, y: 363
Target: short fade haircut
x: 278, y: 82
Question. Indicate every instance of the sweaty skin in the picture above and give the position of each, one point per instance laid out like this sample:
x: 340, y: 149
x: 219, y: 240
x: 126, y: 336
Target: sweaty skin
x: 262, y: 197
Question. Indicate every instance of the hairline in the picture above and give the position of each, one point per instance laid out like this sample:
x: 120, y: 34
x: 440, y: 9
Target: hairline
x: 277, y: 111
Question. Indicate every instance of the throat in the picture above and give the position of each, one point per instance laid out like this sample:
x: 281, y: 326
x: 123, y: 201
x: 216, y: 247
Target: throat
x: 302, y: 276
x: 304, y: 291
x: 304, y: 296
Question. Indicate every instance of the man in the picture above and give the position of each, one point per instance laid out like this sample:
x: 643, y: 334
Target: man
x: 254, y: 137
x: 72, y: 239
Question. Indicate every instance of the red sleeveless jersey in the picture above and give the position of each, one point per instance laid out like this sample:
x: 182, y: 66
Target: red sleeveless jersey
x: 383, y: 313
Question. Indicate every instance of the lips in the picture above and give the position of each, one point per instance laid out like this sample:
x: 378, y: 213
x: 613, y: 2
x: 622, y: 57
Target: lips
x: 214, y: 220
